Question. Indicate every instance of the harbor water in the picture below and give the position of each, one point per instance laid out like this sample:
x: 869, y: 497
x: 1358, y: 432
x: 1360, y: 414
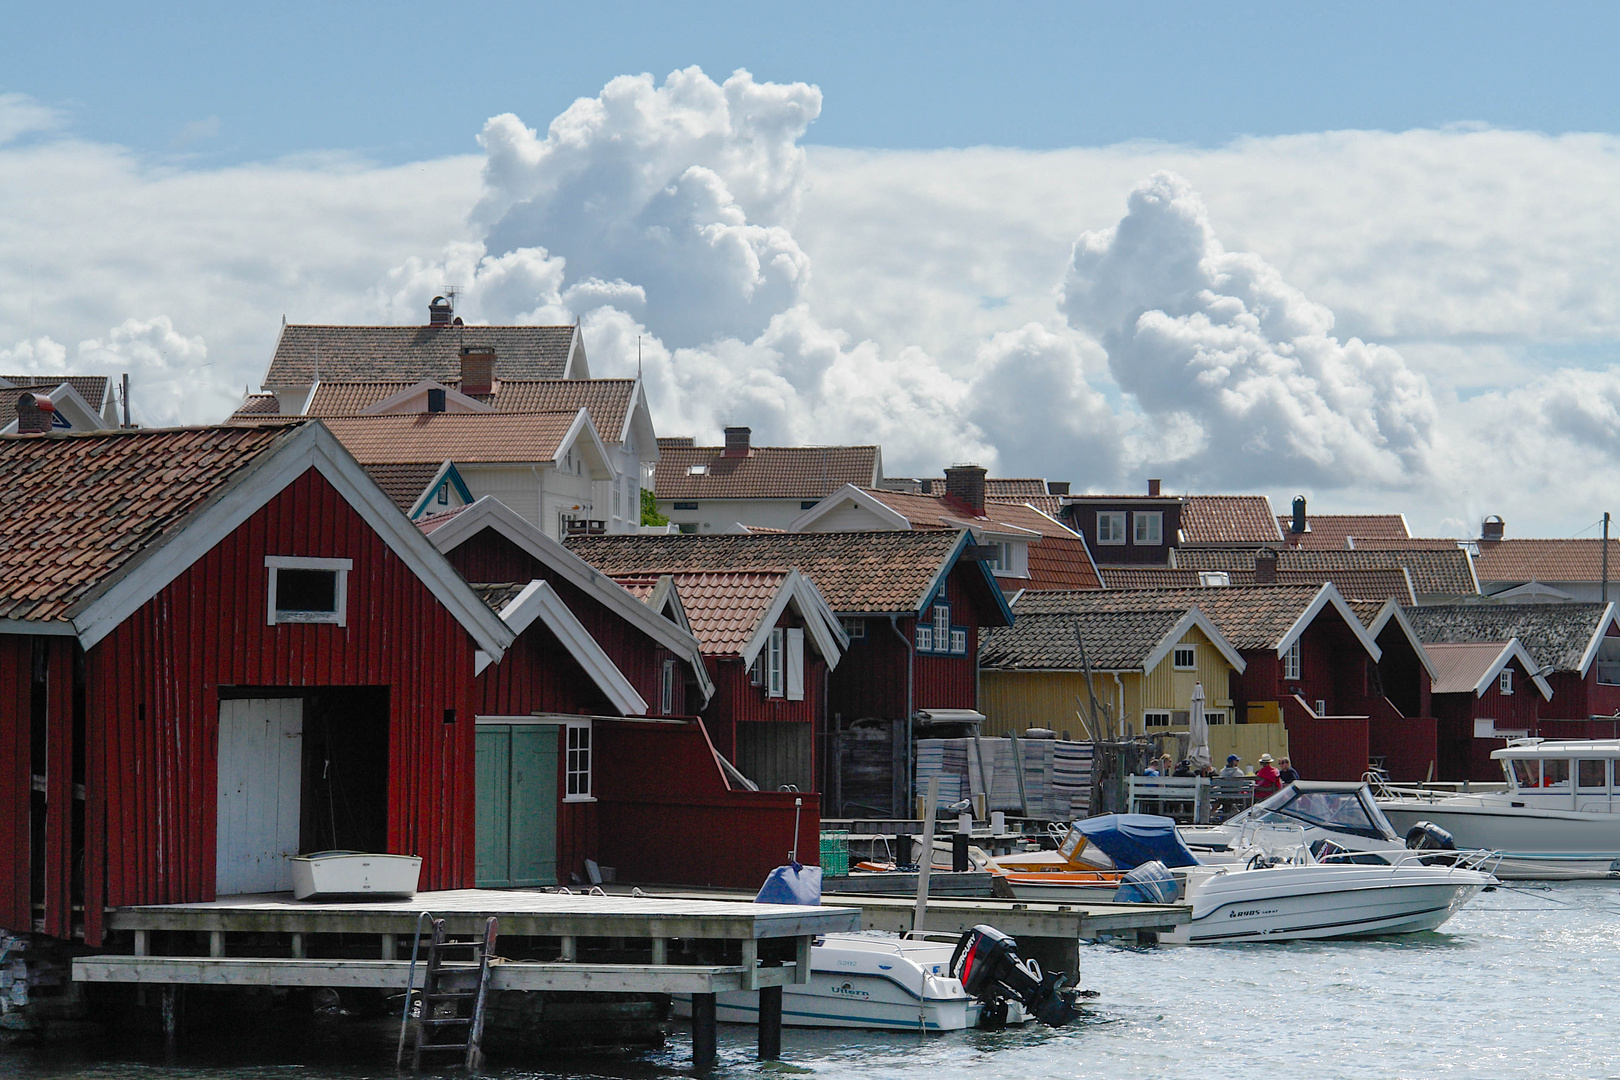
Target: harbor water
x: 1521, y: 983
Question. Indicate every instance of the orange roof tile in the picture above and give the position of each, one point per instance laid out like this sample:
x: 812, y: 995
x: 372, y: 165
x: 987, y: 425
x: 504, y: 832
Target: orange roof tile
x: 1460, y: 666
x: 76, y: 509
x: 1335, y: 530
x: 1545, y: 560
x: 724, y: 608
x: 409, y: 353
x: 768, y: 472
x: 1228, y: 519
x: 461, y: 437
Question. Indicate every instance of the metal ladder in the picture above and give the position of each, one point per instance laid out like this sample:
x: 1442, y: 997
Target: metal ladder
x: 449, y: 1017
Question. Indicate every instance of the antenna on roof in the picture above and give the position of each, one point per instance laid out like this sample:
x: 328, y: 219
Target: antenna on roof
x: 638, y: 356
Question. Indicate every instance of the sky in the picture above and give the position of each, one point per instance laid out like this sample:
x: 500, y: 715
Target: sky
x: 1368, y: 254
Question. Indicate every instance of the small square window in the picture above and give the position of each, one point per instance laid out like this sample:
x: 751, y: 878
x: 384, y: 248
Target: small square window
x: 306, y: 590
x: 925, y: 639
x: 1186, y: 658
x: 959, y: 642
x: 1111, y: 528
x: 444, y: 495
x: 807, y: 504
x: 1149, y: 527
x: 1215, y: 718
x: 1156, y: 719
x: 855, y: 628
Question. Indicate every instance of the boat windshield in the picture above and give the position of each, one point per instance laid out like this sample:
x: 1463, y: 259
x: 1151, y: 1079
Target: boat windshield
x: 1537, y: 773
x: 1341, y: 811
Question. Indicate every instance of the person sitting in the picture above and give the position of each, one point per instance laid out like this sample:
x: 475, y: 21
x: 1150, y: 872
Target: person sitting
x: 1286, y: 773
x: 1267, y: 780
x: 1152, y: 768
x: 1183, y: 768
x: 1232, y: 767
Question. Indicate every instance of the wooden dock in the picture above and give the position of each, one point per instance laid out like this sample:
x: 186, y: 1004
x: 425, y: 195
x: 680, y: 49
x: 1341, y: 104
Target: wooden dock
x: 553, y: 942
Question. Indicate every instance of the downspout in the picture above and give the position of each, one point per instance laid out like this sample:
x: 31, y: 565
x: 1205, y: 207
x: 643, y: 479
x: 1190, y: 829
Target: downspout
x: 911, y: 666
x: 1120, y: 719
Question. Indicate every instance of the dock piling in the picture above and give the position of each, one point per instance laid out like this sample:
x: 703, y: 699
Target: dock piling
x: 770, y: 1023
x: 703, y: 1032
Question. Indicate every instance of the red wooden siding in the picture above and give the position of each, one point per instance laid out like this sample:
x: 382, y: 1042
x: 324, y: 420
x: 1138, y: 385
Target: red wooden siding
x: 1409, y: 745
x: 1326, y: 747
x: 870, y: 679
x: 154, y: 690
x: 16, y: 663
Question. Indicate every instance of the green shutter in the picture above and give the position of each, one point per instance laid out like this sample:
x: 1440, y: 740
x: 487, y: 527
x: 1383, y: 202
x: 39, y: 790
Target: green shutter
x: 517, y: 805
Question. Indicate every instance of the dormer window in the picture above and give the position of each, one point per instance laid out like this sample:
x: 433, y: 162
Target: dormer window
x: 697, y: 470
x: 1149, y: 527
x: 1111, y: 528
x: 307, y: 590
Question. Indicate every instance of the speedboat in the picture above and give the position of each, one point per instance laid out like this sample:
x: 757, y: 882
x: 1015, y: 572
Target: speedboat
x: 1336, y: 819
x: 1559, y: 816
x: 1281, y: 886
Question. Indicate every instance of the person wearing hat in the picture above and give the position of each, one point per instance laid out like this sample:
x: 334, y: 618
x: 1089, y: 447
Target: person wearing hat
x: 1266, y: 779
x: 1232, y: 767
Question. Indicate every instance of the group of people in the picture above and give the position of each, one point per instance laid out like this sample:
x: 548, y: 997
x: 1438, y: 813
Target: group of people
x: 1269, y: 776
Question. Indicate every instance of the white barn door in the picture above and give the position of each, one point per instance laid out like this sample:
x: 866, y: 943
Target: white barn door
x: 261, y: 760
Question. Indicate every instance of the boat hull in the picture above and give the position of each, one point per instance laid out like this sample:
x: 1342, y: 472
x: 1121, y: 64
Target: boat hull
x: 1293, y: 903
x: 1535, y: 842
x: 355, y: 874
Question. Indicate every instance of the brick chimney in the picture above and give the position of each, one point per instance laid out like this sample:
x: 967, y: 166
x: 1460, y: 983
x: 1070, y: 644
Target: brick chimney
x: 477, y: 369
x: 965, y: 484
x: 1491, y: 528
x: 1265, y: 567
x: 737, y: 442
x: 1057, y: 487
x: 34, y: 413
x: 1153, y: 489
x: 440, y: 312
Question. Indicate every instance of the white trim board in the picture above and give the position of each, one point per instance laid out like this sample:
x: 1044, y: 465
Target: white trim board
x: 539, y: 601
x: 1194, y: 617
x: 1326, y: 596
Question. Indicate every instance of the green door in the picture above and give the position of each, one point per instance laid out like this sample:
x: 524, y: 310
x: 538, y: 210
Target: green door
x: 517, y: 805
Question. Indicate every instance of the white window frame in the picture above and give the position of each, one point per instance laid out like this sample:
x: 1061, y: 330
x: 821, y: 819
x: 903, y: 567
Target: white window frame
x: 1504, y: 682
x: 1291, y: 664
x: 775, y: 668
x: 1141, y: 518
x: 1111, y: 527
x: 795, y: 664
x: 1215, y: 717
x: 666, y: 690
x: 581, y: 730
x: 340, y: 585
x: 855, y: 629
x: 942, y: 627
x: 958, y: 642
x: 925, y: 638
x: 1157, y: 718
x: 1191, y: 662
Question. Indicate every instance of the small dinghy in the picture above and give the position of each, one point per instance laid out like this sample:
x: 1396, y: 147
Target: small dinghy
x: 325, y: 875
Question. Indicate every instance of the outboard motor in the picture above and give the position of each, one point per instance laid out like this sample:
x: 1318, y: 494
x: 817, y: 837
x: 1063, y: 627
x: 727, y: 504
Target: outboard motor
x: 1427, y: 836
x: 987, y: 963
x: 1150, y: 883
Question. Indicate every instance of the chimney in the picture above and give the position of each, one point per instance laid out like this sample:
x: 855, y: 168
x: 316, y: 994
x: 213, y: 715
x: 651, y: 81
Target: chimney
x: 1153, y: 488
x: 965, y: 484
x: 477, y: 369
x: 1265, y: 567
x: 34, y: 412
x: 1491, y: 528
x: 1057, y: 487
x: 440, y: 311
x: 1297, y: 527
x: 927, y: 486
x: 435, y: 399
x: 737, y: 439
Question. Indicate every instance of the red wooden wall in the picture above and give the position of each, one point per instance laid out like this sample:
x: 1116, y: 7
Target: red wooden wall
x: 1408, y: 745
x: 1325, y: 747
x: 16, y: 662
x: 154, y: 690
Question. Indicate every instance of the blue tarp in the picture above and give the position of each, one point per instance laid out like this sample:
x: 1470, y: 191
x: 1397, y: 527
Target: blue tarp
x: 1133, y: 839
x: 793, y: 884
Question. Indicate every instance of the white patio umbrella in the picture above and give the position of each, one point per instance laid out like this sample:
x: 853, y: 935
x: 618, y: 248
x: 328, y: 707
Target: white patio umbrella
x: 1198, y: 729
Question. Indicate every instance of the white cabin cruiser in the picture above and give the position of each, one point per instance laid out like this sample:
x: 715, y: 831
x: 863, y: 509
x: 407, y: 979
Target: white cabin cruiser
x: 1558, y: 818
x: 1337, y: 820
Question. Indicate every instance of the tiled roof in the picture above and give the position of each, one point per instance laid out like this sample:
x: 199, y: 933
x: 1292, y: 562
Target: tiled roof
x: 1556, y: 634
x: 670, y: 442
x: 1377, y: 585
x: 93, y: 388
x: 418, y: 438
x: 77, y: 509
x: 405, y: 482
x: 870, y: 572
x: 498, y: 596
x: 1408, y: 543
x: 1332, y: 530
x: 1434, y: 573
x: 1057, y: 560
x: 428, y: 522
x: 255, y: 406
x: 1114, y: 640
x: 1545, y: 560
x: 607, y: 400
x: 409, y: 353
x: 1459, y: 666
x: 1250, y: 616
x: 724, y: 607
x: 768, y: 472
x: 1050, y: 505
x: 1228, y: 519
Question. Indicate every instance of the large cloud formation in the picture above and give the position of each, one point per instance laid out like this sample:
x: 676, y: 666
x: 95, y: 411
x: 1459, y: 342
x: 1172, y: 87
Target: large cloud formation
x: 1193, y: 330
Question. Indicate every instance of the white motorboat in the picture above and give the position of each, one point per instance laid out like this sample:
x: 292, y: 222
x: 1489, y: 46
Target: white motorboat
x: 866, y: 981
x: 1317, y: 812
x: 377, y: 875
x: 1558, y: 818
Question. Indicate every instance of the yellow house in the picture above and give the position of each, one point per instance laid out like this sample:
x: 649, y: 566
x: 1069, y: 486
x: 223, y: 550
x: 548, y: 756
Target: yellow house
x: 1144, y: 663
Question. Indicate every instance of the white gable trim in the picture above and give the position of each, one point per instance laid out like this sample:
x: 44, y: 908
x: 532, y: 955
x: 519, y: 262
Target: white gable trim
x: 993, y: 528
x: 451, y: 396
x: 1513, y: 650
x: 576, y: 367
x: 490, y: 513
x: 310, y: 446
x: 539, y: 601
x: 888, y: 517
x: 583, y: 428
x: 1194, y: 617
x: 666, y: 600
x: 1392, y: 610
x: 1325, y: 597
x: 825, y: 630
x: 1609, y: 616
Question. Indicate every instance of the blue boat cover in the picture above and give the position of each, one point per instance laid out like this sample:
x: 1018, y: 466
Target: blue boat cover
x: 792, y: 884
x: 1133, y: 839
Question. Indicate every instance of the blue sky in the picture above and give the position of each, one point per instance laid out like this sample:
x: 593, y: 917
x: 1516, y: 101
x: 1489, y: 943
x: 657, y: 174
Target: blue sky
x: 1369, y: 253
x: 403, y: 81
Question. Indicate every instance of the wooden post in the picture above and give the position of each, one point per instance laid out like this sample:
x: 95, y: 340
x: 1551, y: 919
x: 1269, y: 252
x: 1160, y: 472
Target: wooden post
x: 660, y: 951
x: 171, y: 1012
x: 703, y: 1031
x: 216, y: 943
x: 567, y: 949
x: 801, y: 959
x: 770, y: 1023
x: 143, y: 942
x: 298, y: 946
x: 926, y: 862
x: 750, y: 963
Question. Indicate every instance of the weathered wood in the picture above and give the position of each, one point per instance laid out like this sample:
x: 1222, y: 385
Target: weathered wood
x: 750, y: 964
x: 391, y: 974
x: 704, y: 1034
x: 660, y: 951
